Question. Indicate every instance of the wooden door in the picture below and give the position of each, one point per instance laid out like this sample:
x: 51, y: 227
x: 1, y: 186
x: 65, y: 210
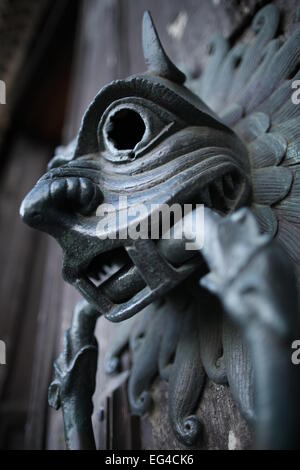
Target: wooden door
x: 109, y: 47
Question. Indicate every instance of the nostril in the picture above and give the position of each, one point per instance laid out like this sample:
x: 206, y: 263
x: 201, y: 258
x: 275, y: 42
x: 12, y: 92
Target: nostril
x: 40, y: 207
x: 34, y: 219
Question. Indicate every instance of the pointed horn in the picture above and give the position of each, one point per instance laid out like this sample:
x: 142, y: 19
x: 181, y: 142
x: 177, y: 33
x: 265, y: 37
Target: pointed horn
x: 156, y: 59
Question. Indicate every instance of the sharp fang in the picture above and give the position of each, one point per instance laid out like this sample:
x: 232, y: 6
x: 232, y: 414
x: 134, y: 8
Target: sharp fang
x: 110, y: 269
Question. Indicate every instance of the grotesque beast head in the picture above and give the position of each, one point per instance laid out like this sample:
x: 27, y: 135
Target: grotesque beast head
x: 151, y: 139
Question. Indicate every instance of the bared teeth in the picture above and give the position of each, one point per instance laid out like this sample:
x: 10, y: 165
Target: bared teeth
x: 108, y: 269
x: 103, y: 273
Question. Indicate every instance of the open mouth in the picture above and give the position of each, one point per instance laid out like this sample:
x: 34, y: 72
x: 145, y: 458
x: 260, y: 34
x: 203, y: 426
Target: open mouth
x: 113, y: 276
x: 114, y: 273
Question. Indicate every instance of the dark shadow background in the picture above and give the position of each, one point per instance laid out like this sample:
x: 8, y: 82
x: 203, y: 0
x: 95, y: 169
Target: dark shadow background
x: 36, y: 50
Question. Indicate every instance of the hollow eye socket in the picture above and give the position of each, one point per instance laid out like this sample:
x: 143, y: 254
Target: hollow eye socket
x: 125, y: 129
x: 130, y: 126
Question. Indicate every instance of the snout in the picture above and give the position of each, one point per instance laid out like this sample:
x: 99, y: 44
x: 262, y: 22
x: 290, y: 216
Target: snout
x: 33, y: 207
x: 54, y: 198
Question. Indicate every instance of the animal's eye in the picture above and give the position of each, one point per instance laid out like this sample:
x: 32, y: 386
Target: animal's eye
x: 125, y: 129
x: 128, y: 128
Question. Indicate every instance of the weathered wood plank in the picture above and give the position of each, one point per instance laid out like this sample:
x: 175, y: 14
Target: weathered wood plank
x: 21, y: 257
x: 48, y: 328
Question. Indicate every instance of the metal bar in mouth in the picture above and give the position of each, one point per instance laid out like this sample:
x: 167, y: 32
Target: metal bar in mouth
x: 128, y: 281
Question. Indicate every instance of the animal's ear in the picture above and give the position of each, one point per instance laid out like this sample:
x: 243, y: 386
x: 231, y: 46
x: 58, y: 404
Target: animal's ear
x: 155, y: 56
